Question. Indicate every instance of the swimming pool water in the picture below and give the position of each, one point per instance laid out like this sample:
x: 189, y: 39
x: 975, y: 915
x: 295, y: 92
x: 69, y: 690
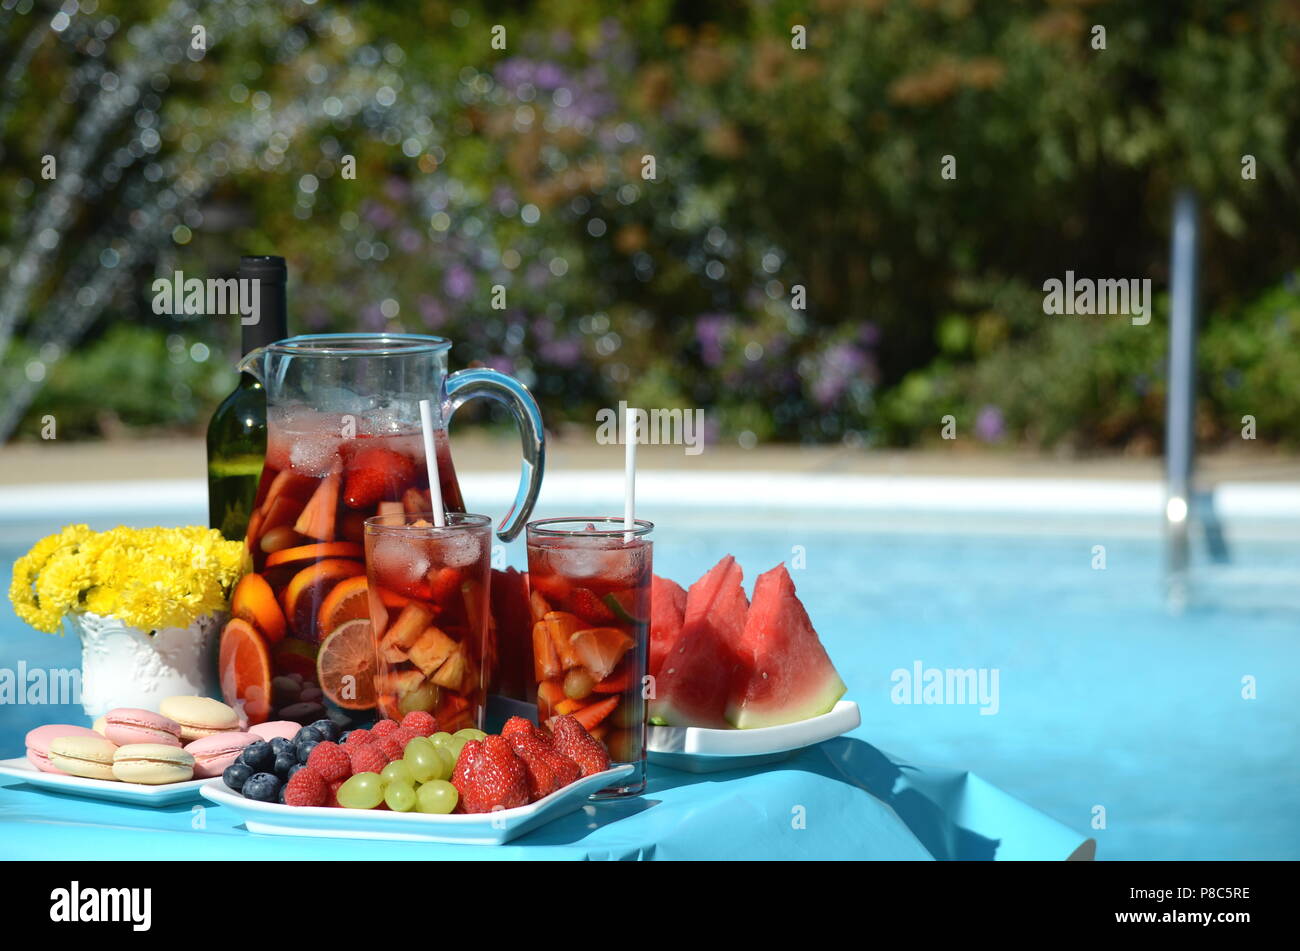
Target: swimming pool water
x: 1106, y: 701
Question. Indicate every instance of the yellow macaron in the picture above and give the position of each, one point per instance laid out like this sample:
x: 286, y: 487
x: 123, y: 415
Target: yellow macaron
x: 153, y: 764
x: 86, y: 756
x: 199, y: 716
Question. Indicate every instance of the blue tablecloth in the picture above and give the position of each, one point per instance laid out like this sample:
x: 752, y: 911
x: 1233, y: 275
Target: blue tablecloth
x: 842, y: 799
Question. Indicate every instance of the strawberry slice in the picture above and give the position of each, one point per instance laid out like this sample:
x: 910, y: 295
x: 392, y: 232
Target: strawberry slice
x: 443, y: 583
x: 584, y: 603
x: 376, y: 473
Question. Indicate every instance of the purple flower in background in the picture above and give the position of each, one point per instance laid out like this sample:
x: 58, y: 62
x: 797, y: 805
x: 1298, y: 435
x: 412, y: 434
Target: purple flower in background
x: 710, y: 332
x: 548, y: 76
x: 562, y: 353
x: 431, y: 311
x: 501, y: 364
x: 397, y: 188
x: 869, y: 335
x: 372, y: 318
x: 377, y: 215
x: 537, y: 276
x: 989, y: 425
x: 561, y: 41
x: 458, y: 282
x: 840, y: 365
x: 409, y: 240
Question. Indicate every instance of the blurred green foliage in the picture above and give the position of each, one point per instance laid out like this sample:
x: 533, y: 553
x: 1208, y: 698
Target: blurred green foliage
x: 775, y: 168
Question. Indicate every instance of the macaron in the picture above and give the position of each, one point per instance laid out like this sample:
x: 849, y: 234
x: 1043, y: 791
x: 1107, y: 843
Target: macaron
x: 127, y: 725
x: 91, y: 757
x: 100, y: 725
x: 212, y: 754
x: 268, y: 731
x: 38, y: 743
x: 199, y: 716
x: 152, y: 764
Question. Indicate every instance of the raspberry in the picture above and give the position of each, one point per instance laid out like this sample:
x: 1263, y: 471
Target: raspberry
x: 330, y: 760
x: 421, y: 722
x: 366, y: 759
x: 402, y: 736
x: 383, y: 728
x: 334, y: 793
x: 307, y: 788
x: 358, y: 738
x: 390, y: 748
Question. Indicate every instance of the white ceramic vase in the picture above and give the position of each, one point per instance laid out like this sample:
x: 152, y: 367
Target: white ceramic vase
x: 123, y: 666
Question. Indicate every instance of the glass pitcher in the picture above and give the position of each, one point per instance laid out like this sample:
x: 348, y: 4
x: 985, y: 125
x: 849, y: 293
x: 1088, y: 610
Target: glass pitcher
x: 343, y: 444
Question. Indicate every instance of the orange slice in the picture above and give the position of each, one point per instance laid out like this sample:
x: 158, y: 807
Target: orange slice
x: 254, y: 601
x: 346, y: 666
x: 306, y: 553
x: 599, y: 649
x: 245, y: 668
x: 303, y: 595
x: 317, y: 519
x: 348, y: 601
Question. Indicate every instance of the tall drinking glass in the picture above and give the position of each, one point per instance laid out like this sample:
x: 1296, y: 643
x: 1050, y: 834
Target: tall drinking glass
x: 589, y: 591
x: 428, y: 591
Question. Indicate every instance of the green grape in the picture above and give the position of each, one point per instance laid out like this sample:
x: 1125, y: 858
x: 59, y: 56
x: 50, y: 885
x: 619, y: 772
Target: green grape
x: 398, y: 771
x: 362, y: 791
x: 424, y: 762
x: 419, y: 743
x: 440, y: 739
x: 400, y: 797
x: 469, y: 733
x: 445, y: 763
x: 454, y: 746
x: 438, y: 797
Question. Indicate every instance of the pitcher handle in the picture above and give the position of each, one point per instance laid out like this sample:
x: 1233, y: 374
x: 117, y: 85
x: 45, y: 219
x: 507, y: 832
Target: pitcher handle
x: 464, y: 385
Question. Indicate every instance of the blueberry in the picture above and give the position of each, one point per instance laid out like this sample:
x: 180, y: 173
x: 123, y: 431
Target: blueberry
x: 304, y: 749
x: 294, y: 768
x: 280, y: 796
x: 262, y: 787
x: 309, y: 734
x: 258, y: 756
x: 280, y: 745
x: 236, y: 775
x: 344, y: 737
x: 284, y: 762
x: 328, y: 729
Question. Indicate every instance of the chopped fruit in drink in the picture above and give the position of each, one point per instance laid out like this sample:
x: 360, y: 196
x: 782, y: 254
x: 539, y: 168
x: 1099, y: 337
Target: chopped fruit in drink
x: 278, y: 539
x: 549, y: 695
x: 254, y: 601
x: 578, y: 684
x: 431, y: 651
x: 437, y: 798
x: 352, y: 527
x: 422, y: 699
x: 600, y: 730
x: 415, y: 501
x: 317, y: 519
x: 376, y: 473
x: 309, y: 587
x: 254, y: 527
x: 288, y: 483
x: 409, y: 625
x: 616, y: 682
x: 345, y: 667
x: 295, y: 656
x: 568, y: 705
x: 584, y: 603
x: 546, y: 662
x: 553, y: 587
x: 284, y: 512
x: 573, y: 740
x: 362, y: 791
x: 444, y: 582
x: 393, y: 513
x: 599, y: 649
x: 538, y: 606
x: 563, y: 626
x: 454, y: 672
x: 245, y: 668
x: 620, y: 603
x: 398, y: 683
x: 306, y: 554
x: 592, y: 714
x: 348, y: 601
x: 488, y: 776
x: 622, y: 745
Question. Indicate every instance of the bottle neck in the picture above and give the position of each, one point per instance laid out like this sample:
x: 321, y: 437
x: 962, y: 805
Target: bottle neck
x: 272, y: 322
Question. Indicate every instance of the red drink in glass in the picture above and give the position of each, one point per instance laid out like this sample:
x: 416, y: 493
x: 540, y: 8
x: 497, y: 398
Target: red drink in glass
x: 589, y: 592
x: 428, y: 591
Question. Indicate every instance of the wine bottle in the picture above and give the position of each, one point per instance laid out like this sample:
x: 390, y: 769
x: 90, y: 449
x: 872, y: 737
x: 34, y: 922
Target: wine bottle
x: 237, y: 431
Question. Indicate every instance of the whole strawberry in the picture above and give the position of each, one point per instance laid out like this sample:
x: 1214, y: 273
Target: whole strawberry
x: 573, y: 740
x: 548, y: 770
x: 488, y: 775
x: 517, y: 725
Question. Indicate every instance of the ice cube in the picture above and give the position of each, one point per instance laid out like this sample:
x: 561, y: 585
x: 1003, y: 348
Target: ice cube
x: 398, y: 563
x: 459, y: 550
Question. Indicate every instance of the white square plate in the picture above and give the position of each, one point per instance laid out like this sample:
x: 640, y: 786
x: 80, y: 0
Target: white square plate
x: 700, y: 750
x: 133, y: 794
x: 489, y: 828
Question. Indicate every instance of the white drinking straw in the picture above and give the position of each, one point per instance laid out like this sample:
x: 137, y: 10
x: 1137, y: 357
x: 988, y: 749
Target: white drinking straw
x: 629, y: 474
x: 431, y: 460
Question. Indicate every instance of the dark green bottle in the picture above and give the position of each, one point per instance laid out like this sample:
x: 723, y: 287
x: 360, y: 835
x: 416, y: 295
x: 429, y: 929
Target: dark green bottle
x: 237, y: 431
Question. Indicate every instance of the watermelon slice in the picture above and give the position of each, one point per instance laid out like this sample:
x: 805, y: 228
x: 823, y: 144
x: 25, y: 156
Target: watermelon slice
x: 782, y: 673
x: 695, y: 676
x: 667, y: 612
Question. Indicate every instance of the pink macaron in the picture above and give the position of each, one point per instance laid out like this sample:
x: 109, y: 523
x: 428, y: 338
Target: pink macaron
x: 212, y: 754
x: 273, y: 728
x: 39, y: 740
x: 127, y: 725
